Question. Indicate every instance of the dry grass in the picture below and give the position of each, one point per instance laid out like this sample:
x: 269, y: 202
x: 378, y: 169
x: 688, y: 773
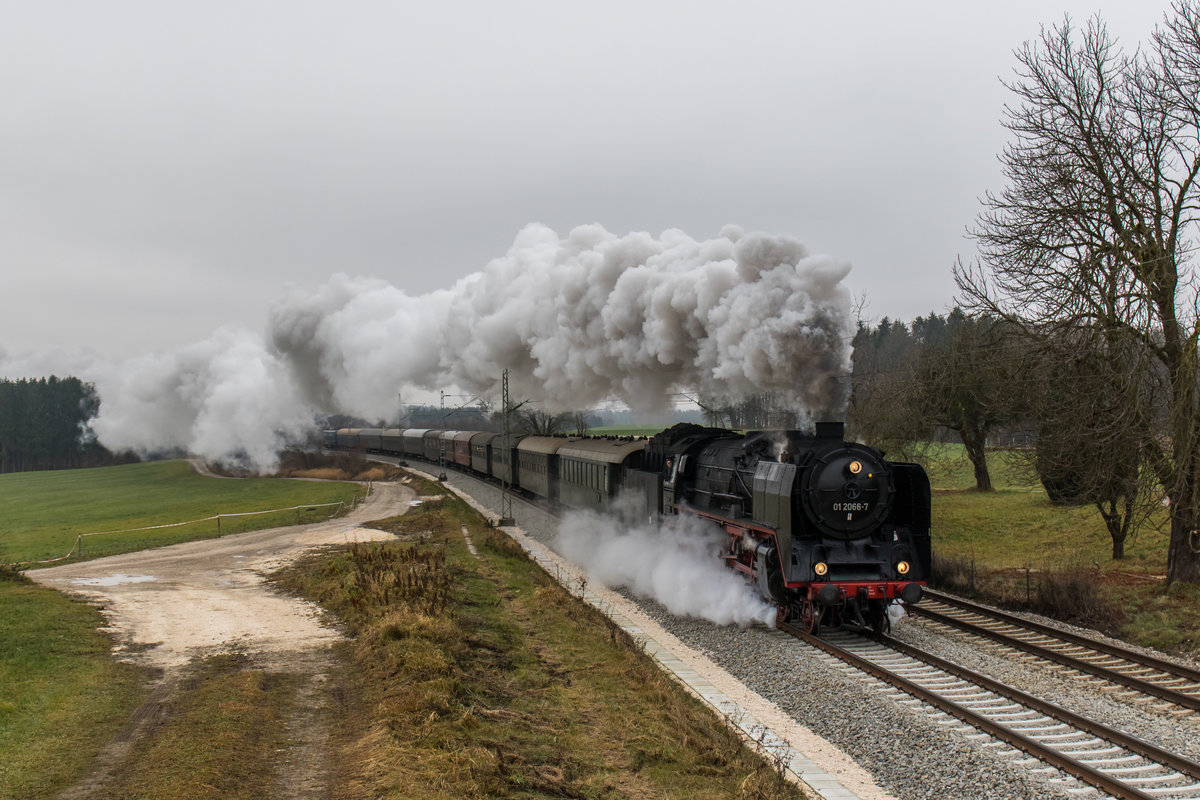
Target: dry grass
x: 334, y: 467
x: 1069, y: 593
x: 483, y: 678
x: 320, y: 473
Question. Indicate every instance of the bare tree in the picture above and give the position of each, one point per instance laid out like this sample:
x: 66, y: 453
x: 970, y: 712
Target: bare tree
x: 939, y: 372
x: 1095, y: 225
x: 543, y: 423
x: 767, y: 410
x: 880, y: 412
x: 582, y: 421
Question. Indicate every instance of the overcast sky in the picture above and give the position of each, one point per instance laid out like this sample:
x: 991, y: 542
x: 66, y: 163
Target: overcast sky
x: 168, y: 168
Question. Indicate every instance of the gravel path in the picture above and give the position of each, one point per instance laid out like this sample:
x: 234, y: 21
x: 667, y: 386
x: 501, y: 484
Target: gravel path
x: 169, y: 605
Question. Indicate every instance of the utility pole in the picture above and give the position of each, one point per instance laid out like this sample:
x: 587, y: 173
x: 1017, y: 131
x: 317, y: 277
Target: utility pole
x: 506, y: 513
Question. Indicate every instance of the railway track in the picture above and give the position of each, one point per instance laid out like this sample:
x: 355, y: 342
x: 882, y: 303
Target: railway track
x: 1175, y: 684
x: 1113, y: 763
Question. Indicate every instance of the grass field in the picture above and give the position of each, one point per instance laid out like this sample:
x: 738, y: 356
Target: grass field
x: 626, y: 430
x: 1016, y: 526
x: 62, y: 695
x: 1009, y: 544
x: 44, y: 511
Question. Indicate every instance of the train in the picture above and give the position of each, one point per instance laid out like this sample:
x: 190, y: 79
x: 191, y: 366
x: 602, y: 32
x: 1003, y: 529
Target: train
x: 826, y: 529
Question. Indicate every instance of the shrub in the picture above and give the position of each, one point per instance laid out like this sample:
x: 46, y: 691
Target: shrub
x: 1070, y: 594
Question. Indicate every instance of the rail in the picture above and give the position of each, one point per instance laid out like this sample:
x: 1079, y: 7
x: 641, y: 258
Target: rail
x: 1116, y: 674
x: 1100, y: 778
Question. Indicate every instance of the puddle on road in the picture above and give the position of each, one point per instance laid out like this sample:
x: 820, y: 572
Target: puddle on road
x: 113, y: 580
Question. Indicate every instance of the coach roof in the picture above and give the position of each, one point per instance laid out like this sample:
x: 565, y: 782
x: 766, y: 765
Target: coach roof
x: 609, y: 451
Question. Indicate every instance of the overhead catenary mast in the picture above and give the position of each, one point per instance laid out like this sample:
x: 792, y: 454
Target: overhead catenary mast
x: 506, y: 515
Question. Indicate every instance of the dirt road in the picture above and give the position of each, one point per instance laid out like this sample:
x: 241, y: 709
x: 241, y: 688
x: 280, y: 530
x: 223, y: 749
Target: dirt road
x: 169, y: 605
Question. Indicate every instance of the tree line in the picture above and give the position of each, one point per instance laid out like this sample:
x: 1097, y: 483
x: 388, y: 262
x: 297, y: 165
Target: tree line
x: 43, y: 425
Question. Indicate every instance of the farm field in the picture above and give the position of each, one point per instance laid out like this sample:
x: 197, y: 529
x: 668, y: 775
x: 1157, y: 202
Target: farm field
x: 44, y: 511
x: 626, y: 430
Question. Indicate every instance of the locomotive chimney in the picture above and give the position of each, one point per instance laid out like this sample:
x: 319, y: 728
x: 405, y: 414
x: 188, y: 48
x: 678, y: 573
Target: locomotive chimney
x: 831, y: 430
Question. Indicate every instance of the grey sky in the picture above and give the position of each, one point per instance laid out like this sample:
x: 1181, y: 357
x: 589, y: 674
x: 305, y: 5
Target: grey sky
x: 165, y: 170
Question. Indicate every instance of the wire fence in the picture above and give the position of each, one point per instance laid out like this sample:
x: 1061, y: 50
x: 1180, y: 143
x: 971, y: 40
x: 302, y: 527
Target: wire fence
x: 77, y: 549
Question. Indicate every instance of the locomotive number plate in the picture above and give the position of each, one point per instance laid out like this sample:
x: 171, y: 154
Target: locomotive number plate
x: 851, y: 506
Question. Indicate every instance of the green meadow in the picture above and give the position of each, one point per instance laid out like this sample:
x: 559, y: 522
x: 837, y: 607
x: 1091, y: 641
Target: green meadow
x: 626, y: 430
x: 45, y: 511
x: 1015, y: 548
x: 1016, y: 526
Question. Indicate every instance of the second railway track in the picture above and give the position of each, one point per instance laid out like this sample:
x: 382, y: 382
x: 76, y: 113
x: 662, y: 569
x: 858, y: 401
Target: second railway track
x: 1175, y: 684
x: 1112, y: 762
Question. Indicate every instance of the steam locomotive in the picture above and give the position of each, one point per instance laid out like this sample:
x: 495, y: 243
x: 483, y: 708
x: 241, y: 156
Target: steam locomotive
x: 827, y: 529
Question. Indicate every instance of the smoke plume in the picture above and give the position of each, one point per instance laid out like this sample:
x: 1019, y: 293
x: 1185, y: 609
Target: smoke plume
x: 675, y: 564
x: 577, y: 320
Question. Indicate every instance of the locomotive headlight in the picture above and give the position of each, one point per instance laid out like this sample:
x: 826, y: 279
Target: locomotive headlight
x: 903, y: 567
x: 821, y: 568
x: 855, y: 467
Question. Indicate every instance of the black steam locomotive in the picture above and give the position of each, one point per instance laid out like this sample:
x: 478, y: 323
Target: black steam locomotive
x: 827, y: 529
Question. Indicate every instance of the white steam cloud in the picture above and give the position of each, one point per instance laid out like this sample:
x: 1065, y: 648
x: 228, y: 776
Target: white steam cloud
x: 675, y: 564
x: 577, y: 320
x: 228, y: 397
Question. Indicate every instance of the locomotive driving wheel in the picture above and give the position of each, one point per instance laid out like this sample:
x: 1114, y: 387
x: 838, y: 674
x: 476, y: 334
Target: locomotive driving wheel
x: 810, y: 617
